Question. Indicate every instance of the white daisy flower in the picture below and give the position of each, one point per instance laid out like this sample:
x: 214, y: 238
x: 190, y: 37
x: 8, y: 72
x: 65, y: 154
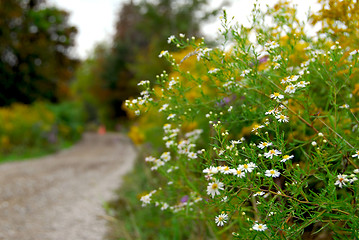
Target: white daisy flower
x: 271, y: 45
x: 214, y: 187
x: 272, y: 111
x: 164, y: 206
x: 271, y: 153
x: 259, y: 194
x: 146, y: 199
x: 239, y: 172
x: 290, y: 88
x: 166, y: 156
x: 150, y: 159
x: 171, y: 116
x: 276, y: 95
x: 256, y: 127
x: 170, y: 143
x: 225, y: 170
x: 264, y: 144
x: 344, y: 106
x: 248, y: 167
x: 353, y: 52
x: 245, y: 72
x: 286, y: 157
x: 221, y: 219
x: 356, y: 154
x: 170, y: 39
x: 276, y: 66
x: 163, y: 53
x: 192, y: 155
x: 164, y: 107
x: 277, y: 58
x: 214, y: 70
x: 272, y: 173
x: 353, y: 179
x: 302, y: 84
x: 282, y: 118
x: 259, y: 227
x: 342, y: 179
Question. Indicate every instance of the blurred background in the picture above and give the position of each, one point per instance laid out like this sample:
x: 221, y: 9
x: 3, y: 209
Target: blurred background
x: 67, y: 66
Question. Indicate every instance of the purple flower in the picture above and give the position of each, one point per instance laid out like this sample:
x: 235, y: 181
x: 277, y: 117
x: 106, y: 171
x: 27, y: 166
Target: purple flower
x: 184, y: 199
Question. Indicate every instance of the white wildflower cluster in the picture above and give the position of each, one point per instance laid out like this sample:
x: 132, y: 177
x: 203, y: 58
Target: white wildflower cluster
x: 277, y: 112
x: 335, y: 46
x: 163, y: 53
x: 276, y: 60
x: 170, y: 135
x: 145, y: 98
x: 143, y: 83
x: 201, y: 53
x: 146, y: 199
x: 173, y: 82
x: 171, y: 39
x: 231, y: 84
x: 343, y: 180
x: 354, y: 52
x: 214, y: 186
x: 158, y: 162
x: 276, y: 96
x: 186, y: 203
x: 246, y: 72
x: 271, y: 46
x: 213, y: 70
x: 346, y: 106
x: 292, y: 86
x: 185, y: 146
x: 256, y: 127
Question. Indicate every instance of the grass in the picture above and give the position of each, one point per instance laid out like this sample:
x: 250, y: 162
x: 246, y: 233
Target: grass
x: 129, y: 220
x: 24, y: 153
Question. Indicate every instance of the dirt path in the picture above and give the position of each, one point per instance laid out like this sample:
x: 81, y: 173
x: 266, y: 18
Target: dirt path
x: 60, y: 197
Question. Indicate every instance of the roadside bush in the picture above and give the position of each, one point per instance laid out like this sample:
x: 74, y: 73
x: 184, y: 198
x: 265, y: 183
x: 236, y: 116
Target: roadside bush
x: 38, y: 126
x: 264, y: 143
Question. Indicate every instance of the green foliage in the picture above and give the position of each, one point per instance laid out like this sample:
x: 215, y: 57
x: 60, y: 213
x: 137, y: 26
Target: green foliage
x: 274, y: 150
x: 131, y: 221
x: 35, y: 41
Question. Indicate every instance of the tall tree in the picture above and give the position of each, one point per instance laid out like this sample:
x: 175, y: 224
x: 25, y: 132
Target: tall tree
x: 141, y: 33
x: 35, y: 45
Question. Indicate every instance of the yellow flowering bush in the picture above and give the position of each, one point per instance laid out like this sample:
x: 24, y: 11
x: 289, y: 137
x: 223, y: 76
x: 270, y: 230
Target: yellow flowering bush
x: 38, y: 125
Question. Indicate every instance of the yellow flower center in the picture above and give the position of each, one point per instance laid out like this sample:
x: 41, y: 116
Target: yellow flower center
x: 272, y: 172
x: 214, y: 186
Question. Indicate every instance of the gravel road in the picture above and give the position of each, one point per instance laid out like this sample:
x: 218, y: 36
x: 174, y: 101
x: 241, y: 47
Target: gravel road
x: 60, y: 197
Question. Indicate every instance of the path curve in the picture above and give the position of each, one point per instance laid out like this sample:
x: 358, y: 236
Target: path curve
x: 60, y: 197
